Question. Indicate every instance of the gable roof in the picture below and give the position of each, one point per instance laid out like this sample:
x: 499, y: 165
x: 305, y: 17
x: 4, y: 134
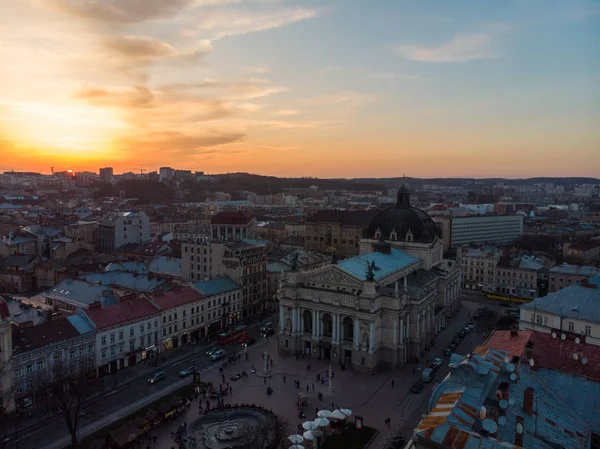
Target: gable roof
x: 127, y: 310
x: 131, y: 281
x: 169, y: 266
x: 79, y: 292
x: 25, y: 339
x: 175, y: 298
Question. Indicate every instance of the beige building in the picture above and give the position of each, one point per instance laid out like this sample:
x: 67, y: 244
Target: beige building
x: 478, y: 267
x: 583, y: 252
x: 243, y: 262
x: 329, y: 230
x: 81, y: 231
x: 381, y: 308
x: 16, y: 245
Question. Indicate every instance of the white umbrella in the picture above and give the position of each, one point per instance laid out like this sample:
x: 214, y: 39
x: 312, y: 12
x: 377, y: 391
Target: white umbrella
x: 323, y: 413
x: 296, y: 446
x: 308, y: 435
x: 310, y: 425
x: 322, y: 422
x: 295, y: 438
x: 337, y: 415
x: 345, y: 411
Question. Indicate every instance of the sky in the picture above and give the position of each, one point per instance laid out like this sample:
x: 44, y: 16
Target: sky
x: 331, y: 88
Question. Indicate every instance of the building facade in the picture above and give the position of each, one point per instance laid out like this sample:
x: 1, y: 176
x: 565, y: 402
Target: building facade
x: 339, y: 231
x: 222, y: 304
x: 7, y: 402
x: 480, y: 230
x: 116, y: 230
x: 238, y: 225
x: 106, y: 174
x: 383, y: 307
x: 565, y: 275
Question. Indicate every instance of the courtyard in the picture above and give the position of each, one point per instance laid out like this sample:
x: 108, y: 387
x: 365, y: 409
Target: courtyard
x: 373, y: 397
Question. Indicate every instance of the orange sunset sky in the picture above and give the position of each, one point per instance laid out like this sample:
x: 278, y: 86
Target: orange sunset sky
x: 343, y: 88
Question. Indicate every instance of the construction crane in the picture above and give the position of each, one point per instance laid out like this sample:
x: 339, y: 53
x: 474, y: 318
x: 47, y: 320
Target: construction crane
x: 140, y: 168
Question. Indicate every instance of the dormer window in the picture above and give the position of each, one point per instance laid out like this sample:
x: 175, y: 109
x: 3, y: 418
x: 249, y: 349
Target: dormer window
x: 378, y: 233
x: 393, y: 234
x: 409, y: 236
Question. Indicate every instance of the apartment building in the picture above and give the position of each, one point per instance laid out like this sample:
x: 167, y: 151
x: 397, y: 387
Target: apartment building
x: 582, y: 252
x: 242, y: 261
x: 65, y: 344
x: 116, y: 230
x: 126, y: 333
x: 237, y: 225
x: 337, y: 230
x: 222, y: 304
x: 479, y: 267
x: 7, y: 402
x: 479, y: 230
x: 565, y: 274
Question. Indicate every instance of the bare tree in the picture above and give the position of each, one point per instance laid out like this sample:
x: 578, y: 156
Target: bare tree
x: 68, y: 389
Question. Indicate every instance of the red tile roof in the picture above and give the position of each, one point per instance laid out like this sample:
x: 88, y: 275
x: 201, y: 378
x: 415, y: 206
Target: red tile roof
x: 175, y: 298
x: 232, y: 218
x: 127, y: 310
x: 26, y: 339
x: 513, y: 344
x: 557, y: 354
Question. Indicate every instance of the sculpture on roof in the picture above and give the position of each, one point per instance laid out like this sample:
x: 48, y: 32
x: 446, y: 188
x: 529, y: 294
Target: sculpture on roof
x: 370, y: 276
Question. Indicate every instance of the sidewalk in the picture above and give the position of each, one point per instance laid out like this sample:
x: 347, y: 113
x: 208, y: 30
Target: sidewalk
x: 128, y: 376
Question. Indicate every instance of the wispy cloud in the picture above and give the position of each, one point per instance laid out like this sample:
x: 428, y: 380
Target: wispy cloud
x: 349, y: 100
x: 136, y: 97
x: 286, y: 112
x: 257, y: 69
x: 462, y: 47
x: 236, y: 21
x: 235, y: 89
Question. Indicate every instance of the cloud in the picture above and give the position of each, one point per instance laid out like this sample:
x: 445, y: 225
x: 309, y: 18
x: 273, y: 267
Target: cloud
x: 136, y: 97
x: 178, y: 143
x: 237, y: 21
x: 462, y: 47
x: 286, y: 112
x: 235, y: 89
x: 143, y: 50
x: 121, y: 11
x: 257, y: 69
x: 350, y: 100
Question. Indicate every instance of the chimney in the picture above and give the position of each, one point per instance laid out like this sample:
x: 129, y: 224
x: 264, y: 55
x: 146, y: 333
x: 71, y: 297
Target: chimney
x: 519, y: 429
x: 528, y: 400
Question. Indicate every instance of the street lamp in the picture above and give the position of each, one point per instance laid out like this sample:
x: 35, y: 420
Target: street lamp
x: 266, y: 357
x: 330, y: 376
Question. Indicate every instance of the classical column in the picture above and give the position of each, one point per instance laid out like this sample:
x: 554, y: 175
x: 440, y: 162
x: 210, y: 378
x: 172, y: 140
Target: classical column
x: 401, y: 331
x: 294, y: 320
x: 336, y: 321
x: 314, y: 322
x: 281, y: 318
x: 301, y: 312
x: 318, y: 323
x: 356, y: 332
x: 371, y: 337
x: 341, y: 335
x: 395, y: 332
x: 407, y: 334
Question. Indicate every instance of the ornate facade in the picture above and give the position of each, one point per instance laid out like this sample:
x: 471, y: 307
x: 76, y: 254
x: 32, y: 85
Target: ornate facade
x: 383, y: 307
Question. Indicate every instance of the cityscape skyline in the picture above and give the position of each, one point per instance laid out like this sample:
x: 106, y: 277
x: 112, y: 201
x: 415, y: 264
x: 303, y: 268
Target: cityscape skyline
x: 329, y: 89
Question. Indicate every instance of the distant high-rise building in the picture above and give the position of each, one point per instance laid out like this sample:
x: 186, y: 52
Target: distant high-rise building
x: 106, y: 174
x: 115, y: 230
x: 165, y: 174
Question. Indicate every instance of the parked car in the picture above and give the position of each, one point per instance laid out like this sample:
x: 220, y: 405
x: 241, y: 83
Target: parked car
x: 427, y: 375
x: 448, y: 352
x: 156, y: 377
x: 462, y: 333
x: 186, y: 372
x: 398, y: 442
x: 515, y: 315
x: 217, y: 355
x: 438, y: 361
x: 476, y: 316
x: 417, y: 386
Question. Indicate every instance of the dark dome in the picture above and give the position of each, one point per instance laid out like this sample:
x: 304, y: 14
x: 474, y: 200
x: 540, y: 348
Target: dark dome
x: 396, y: 222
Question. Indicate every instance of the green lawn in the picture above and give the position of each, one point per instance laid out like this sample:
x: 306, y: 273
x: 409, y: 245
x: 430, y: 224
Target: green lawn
x: 350, y: 439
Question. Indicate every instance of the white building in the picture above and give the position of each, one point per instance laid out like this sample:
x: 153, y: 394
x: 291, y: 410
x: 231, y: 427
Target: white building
x: 116, y: 230
x: 479, y: 230
x: 165, y: 174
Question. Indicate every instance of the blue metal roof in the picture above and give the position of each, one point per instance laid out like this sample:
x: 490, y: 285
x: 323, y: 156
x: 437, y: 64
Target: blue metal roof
x: 169, y: 266
x: 131, y: 266
x: 385, y: 264
x: 574, y: 301
x: 278, y: 267
x: 73, y: 290
x: 256, y: 242
x: 582, y: 270
x: 81, y: 323
x: 216, y: 286
x: 133, y: 281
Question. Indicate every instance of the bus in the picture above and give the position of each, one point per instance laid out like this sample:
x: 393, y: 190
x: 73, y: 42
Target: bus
x: 232, y: 335
x: 509, y: 298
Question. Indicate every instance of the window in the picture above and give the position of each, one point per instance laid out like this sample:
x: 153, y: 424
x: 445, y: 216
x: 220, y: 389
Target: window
x: 131, y: 331
x: 141, y: 328
x: 539, y: 319
x: 131, y: 346
x: 113, y: 351
x: 81, y: 351
x: 112, y: 337
x: 571, y: 326
x: 103, y: 340
x: 164, y: 319
x: 588, y: 330
x: 164, y: 332
x: 120, y: 335
x: 141, y: 340
x: 149, y: 326
x: 19, y: 390
x: 155, y: 324
x: 72, y: 354
x: 56, y: 359
x: 18, y: 373
x: 121, y: 347
x: 104, y: 353
x: 90, y: 349
x: 184, y: 312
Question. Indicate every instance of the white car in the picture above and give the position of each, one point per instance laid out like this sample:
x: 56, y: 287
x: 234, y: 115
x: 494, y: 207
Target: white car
x: 217, y: 355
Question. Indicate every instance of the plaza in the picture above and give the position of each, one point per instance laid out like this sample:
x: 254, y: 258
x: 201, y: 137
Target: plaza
x: 371, y: 396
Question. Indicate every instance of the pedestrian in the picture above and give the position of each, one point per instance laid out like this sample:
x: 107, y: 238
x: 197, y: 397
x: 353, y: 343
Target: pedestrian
x: 230, y: 390
x: 313, y: 387
x: 283, y: 379
x: 223, y: 378
x: 332, y: 406
x: 317, y: 409
x: 392, y: 384
x: 307, y: 388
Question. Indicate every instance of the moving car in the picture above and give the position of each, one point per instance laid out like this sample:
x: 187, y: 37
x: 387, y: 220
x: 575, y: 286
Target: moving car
x: 156, y: 377
x: 211, y: 351
x: 217, y: 355
x: 186, y: 372
x: 249, y: 341
x: 417, y: 386
x: 267, y: 332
